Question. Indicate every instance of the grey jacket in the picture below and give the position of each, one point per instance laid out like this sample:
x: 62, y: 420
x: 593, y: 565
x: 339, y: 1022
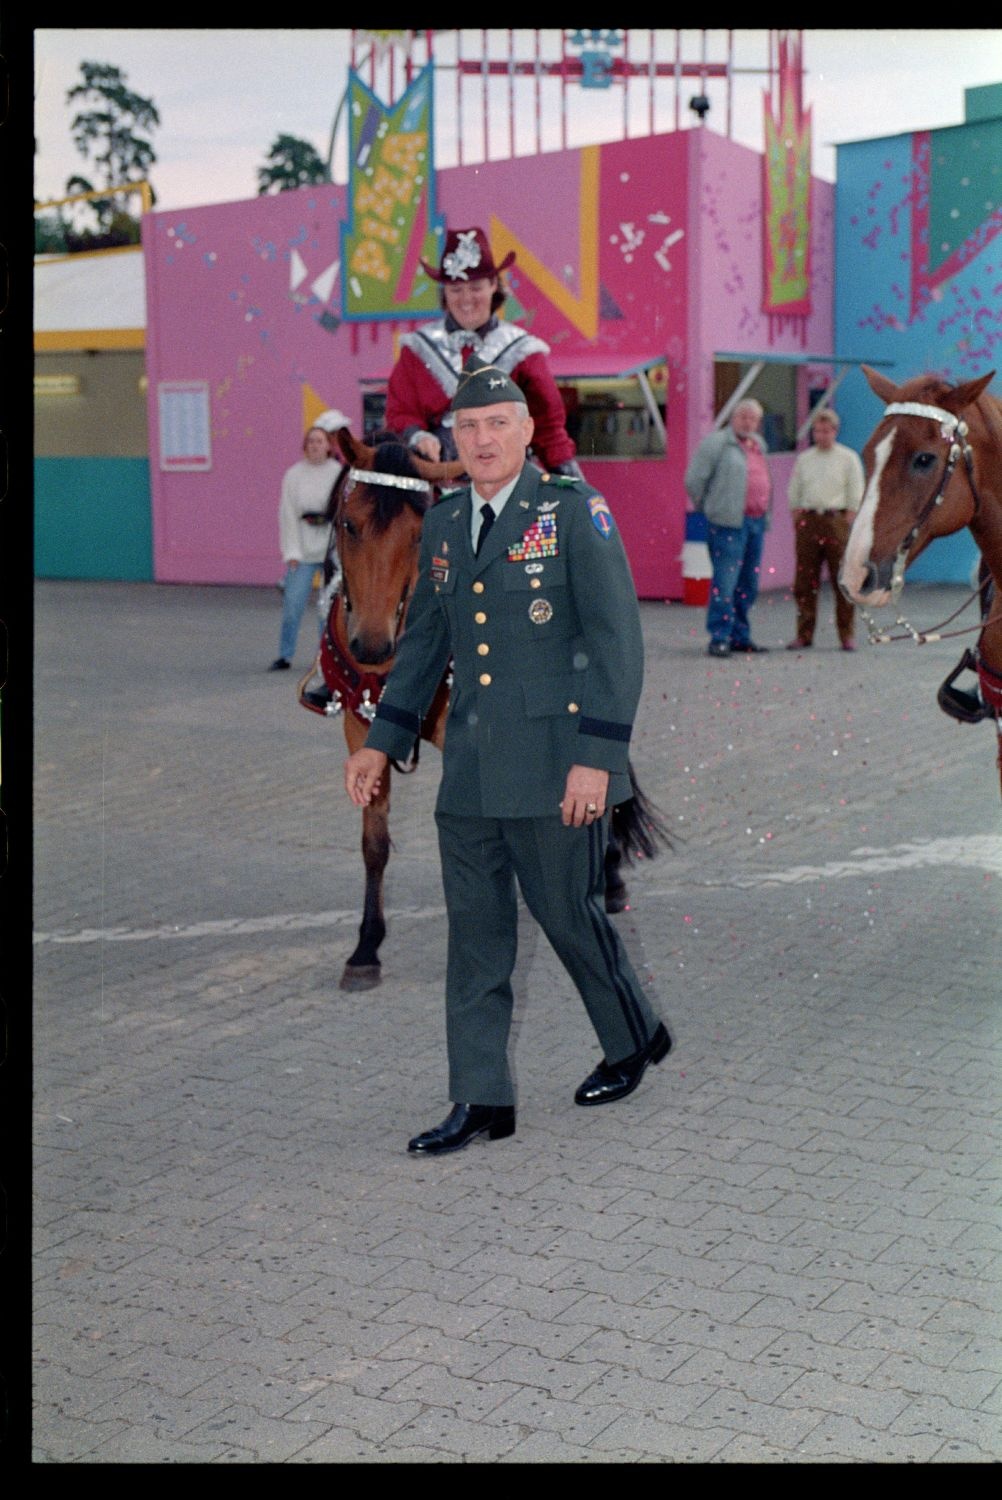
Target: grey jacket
x: 717, y: 477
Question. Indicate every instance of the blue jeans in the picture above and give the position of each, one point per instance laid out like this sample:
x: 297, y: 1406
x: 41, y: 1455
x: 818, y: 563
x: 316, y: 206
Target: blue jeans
x: 295, y: 596
x: 736, y: 552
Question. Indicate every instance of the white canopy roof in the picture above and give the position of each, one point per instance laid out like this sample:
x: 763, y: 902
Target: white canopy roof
x: 103, y: 291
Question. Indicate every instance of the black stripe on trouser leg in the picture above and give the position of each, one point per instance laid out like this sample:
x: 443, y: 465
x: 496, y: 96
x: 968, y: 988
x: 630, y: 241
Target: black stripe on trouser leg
x: 479, y: 886
x: 606, y: 938
x: 558, y: 875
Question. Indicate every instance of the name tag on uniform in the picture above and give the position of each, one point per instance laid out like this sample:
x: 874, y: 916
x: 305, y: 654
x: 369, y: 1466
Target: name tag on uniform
x: 440, y: 569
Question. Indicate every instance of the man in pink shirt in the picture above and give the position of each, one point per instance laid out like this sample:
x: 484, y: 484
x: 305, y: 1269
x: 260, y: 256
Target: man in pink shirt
x: 728, y: 480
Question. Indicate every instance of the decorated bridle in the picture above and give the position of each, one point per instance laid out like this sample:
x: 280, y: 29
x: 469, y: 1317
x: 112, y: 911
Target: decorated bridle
x: 354, y: 690
x: 954, y: 431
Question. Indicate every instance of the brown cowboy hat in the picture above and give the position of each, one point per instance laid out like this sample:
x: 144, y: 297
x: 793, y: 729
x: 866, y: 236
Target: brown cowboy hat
x: 466, y: 257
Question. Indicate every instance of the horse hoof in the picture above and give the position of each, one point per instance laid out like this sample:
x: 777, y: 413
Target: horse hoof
x: 361, y: 977
x: 616, y: 901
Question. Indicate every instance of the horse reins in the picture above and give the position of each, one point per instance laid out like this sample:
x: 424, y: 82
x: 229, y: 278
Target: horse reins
x: 954, y: 430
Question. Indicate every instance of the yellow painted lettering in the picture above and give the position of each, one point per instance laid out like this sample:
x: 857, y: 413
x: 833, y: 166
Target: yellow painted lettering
x: 379, y: 231
x: 369, y: 259
x: 404, y: 151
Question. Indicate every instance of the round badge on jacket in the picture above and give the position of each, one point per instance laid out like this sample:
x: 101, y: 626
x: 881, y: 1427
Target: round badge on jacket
x: 540, y: 610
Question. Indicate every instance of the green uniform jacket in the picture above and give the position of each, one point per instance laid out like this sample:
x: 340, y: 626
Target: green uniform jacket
x: 543, y: 629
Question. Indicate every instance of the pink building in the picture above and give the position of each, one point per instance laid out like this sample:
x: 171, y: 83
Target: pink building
x: 639, y: 262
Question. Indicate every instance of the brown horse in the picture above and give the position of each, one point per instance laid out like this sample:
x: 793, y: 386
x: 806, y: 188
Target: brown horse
x: 379, y: 504
x: 933, y: 465
x: 378, y: 507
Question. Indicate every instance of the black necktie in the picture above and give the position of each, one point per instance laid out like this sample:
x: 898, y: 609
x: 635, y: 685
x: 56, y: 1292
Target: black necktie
x: 486, y: 522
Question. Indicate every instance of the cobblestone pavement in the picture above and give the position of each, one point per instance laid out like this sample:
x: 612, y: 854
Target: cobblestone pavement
x: 782, y: 1248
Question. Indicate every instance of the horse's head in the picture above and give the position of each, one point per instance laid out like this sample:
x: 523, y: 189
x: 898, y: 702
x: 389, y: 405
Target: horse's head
x: 378, y: 517
x: 917, y: 484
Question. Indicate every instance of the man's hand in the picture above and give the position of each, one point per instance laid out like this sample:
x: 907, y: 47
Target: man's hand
x: 584, y: 795
x: 362, y: 775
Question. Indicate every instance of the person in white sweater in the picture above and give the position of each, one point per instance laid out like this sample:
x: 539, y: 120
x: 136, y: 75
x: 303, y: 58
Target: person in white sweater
x: 826, y: 487
x: 304, y: 529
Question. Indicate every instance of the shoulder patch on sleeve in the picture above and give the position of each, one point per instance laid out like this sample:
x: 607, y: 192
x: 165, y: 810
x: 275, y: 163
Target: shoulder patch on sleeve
x: 601, y: 515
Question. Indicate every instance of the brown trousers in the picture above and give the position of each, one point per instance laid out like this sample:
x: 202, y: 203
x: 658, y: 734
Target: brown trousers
x: 820, y: 538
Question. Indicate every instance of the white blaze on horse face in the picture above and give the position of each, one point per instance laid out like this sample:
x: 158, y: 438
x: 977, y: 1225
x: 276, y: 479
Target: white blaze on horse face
x: 860, y: 543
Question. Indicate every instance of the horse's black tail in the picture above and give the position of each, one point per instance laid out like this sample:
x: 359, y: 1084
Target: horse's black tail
x: 639, y: 825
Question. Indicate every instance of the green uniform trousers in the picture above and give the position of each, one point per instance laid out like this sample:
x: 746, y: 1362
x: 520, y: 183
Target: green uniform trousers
x: 561, y: 873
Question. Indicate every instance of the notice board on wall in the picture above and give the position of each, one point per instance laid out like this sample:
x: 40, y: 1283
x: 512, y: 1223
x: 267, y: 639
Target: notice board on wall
x: 185, y: 435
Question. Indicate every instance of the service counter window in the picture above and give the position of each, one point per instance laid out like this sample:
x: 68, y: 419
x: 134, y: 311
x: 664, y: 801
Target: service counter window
x: 616, y: 416
x: 774, y: 385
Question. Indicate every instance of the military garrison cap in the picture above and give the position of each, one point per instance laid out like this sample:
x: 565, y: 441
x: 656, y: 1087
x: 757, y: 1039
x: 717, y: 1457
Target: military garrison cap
x: 482, y: 384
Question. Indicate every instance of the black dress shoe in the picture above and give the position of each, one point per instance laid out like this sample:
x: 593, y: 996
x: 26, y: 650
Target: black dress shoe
x: 280, y: 665
x: 464, y: 1122
x: 718, y: 648
x: 615, y: 1080
x: 749, y: 646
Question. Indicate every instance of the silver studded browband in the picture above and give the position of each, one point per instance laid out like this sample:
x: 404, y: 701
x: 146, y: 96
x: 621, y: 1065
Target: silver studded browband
x: 398, y: 481
x: 919, y: 409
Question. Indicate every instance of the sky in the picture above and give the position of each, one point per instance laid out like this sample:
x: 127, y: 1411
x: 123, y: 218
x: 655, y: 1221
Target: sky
x: 224, y: 95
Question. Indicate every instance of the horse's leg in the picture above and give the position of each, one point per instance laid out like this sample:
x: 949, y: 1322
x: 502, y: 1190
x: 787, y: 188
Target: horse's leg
x: 362, y: 971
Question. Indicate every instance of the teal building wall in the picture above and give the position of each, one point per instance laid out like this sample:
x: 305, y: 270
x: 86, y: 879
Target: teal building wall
x: 92, y: 518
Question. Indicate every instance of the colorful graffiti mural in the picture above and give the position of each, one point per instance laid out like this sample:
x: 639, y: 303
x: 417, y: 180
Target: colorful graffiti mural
x: 786, y: 196
x: 392, y: 222
x: 641, y: 252
x: 918, y: 246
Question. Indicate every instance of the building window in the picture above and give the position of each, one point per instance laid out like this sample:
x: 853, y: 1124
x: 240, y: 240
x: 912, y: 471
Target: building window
x: 774, y: 388
x: 612, y: 416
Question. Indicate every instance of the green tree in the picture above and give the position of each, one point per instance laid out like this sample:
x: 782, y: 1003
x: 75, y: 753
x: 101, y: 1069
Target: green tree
x: 113, y: 131
x: 291, y: 163
x: 51, y: 234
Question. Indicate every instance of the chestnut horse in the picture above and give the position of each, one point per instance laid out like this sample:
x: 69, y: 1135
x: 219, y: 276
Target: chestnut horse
x: 933, y: 465
x: 379, y: 502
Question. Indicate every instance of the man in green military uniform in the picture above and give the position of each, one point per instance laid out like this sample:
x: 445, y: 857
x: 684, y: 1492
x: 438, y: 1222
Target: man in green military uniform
x: 524, y: 583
